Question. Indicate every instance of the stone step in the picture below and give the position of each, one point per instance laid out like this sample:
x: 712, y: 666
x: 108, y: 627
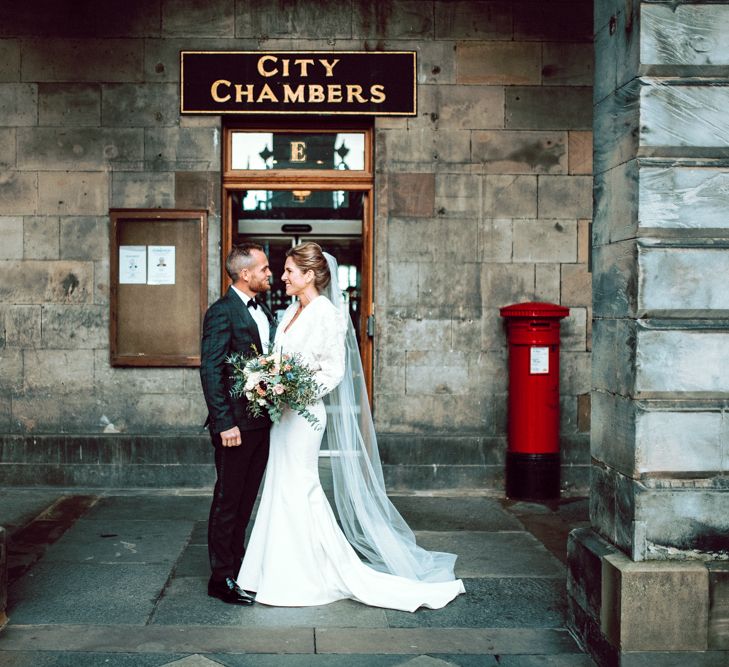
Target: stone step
x: 206, y: 639
x: 410, y: 462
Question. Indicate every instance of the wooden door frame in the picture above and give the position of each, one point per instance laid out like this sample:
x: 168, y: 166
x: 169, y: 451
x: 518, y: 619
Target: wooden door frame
x: 290, y: 179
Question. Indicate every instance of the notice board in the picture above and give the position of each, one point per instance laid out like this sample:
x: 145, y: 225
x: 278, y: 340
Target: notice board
x: 158, y: 294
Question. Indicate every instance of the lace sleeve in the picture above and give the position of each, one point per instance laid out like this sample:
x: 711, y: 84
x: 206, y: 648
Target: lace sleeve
x: 330, y: 350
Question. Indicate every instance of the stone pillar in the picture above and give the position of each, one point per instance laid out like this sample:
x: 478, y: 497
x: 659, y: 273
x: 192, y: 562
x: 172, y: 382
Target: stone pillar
x: 651, y: 575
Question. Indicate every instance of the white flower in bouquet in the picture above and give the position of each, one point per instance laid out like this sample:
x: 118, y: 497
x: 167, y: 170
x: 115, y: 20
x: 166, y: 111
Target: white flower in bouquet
x: 253, y: 379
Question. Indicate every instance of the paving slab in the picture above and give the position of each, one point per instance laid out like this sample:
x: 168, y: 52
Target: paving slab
x: 147, y: 553
x: 199, y: 533
x: 427, y: 661
x: 73, y: 659
x: 551, y: 522
x: 151, y: 507
x: 34, y: 533
x: 675, y: 659
x: 479, y: 554
x: 574, y: 510
x: 185, y: 602
x: 372, y: 660
x: 20, y: 506
x: 494, y: 603
x: 194, y: 562
x: 157, y: 639
x: 504, y: 554
x: 76, y: 659
x: 562, y: 660
x: 195, y: 660
x: 455, y: 513
x: 121, y: 541
x: 337, y: 661
x: 75, y: 593
x: 445, y: 640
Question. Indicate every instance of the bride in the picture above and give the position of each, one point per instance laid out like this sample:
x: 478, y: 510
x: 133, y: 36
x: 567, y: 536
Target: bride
x: 298, y: 555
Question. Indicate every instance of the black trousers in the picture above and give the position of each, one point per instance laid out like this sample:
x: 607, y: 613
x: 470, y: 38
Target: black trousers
x: 240, y: 470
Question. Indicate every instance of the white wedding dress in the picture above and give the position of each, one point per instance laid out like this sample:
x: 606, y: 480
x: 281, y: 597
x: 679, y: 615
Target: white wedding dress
x: 297, y: 554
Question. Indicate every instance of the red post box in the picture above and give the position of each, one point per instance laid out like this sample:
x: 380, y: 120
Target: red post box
x: 533, y: 459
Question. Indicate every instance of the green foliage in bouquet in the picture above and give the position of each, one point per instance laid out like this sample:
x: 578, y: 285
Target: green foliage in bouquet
x: 272, y: 382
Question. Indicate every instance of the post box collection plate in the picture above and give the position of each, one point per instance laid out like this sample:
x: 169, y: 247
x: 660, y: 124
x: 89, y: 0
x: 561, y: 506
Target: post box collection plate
x: 539, y: 360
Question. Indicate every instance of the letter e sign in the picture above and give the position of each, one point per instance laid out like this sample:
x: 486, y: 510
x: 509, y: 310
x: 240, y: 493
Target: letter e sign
x: 298, y: 151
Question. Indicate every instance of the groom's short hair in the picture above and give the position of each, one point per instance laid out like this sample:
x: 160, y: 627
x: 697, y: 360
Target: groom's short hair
x: 239, y: 258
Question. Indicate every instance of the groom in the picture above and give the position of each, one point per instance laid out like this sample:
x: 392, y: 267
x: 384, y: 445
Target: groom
x: 234, y: 323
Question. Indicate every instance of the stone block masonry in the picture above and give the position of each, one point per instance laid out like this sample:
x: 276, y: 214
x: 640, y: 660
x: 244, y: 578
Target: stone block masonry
x: 658, y: 261
x: 658, y: 546
x: 521, y: 189
x: 481, y: 200
x: 609, y: 594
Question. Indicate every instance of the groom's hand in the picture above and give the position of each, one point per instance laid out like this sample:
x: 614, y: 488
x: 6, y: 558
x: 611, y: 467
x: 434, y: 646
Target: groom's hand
x: 231, y: 437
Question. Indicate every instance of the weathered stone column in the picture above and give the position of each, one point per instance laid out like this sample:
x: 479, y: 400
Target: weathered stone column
x: 651, y: 575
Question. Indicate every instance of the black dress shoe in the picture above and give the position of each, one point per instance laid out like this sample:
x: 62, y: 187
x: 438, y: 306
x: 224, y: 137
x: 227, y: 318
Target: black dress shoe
x: 228, y: 591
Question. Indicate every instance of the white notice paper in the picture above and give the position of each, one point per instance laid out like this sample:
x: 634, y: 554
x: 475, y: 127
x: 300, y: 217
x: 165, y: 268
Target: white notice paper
x: 539, y: 360
x: 161, y: 262
x: 132, y: 264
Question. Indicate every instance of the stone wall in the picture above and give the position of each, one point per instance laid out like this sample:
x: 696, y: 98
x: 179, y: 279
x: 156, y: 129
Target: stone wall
x: 485, y: 199
x: 659, y: 540
x: 659, y: 409
x: 482, y: 200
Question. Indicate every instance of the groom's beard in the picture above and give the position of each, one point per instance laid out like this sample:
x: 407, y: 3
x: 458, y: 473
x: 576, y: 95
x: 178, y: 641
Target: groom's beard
x: 260, y: 287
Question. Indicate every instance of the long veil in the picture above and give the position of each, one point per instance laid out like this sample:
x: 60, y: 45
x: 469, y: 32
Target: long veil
x: 370, y: 521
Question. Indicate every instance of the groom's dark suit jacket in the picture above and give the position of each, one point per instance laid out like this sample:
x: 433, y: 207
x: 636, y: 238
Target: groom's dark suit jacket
x: 228, y: 327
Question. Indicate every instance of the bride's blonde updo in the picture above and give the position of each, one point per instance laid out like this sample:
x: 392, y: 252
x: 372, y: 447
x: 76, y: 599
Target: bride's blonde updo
x: 308, y: 256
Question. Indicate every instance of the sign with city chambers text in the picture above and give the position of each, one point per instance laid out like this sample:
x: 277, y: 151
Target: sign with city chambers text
x: 307, y: 82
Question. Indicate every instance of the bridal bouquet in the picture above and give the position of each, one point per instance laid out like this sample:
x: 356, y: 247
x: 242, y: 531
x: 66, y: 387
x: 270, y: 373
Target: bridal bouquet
x: 271, y: 382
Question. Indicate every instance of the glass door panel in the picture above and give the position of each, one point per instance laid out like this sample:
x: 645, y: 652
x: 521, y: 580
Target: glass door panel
x: 258, y: 151
x: 277, y: 220
x: 297, y: 205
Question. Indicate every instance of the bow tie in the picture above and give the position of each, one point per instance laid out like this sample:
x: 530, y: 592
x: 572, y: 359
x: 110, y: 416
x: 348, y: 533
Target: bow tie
x: 252, y: 303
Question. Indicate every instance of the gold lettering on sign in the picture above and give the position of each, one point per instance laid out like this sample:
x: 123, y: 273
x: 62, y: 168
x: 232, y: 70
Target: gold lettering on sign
x: 303, y: 64
x: 268, y: 66
x: 355, y: 92
x: 262, y: 70
x: 275, y: 91
x: 329, y: 66
x: 316, y: 93
x: 294, y: 94
x: 267, y: 94
x: 242, y: 93
x: 298, y: 151
x: 377, y: 93
x: 214, y: 90
x: 334, y: 93
x: 313, y: 93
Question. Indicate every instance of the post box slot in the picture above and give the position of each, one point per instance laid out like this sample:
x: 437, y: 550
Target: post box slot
x: 535, y: 324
